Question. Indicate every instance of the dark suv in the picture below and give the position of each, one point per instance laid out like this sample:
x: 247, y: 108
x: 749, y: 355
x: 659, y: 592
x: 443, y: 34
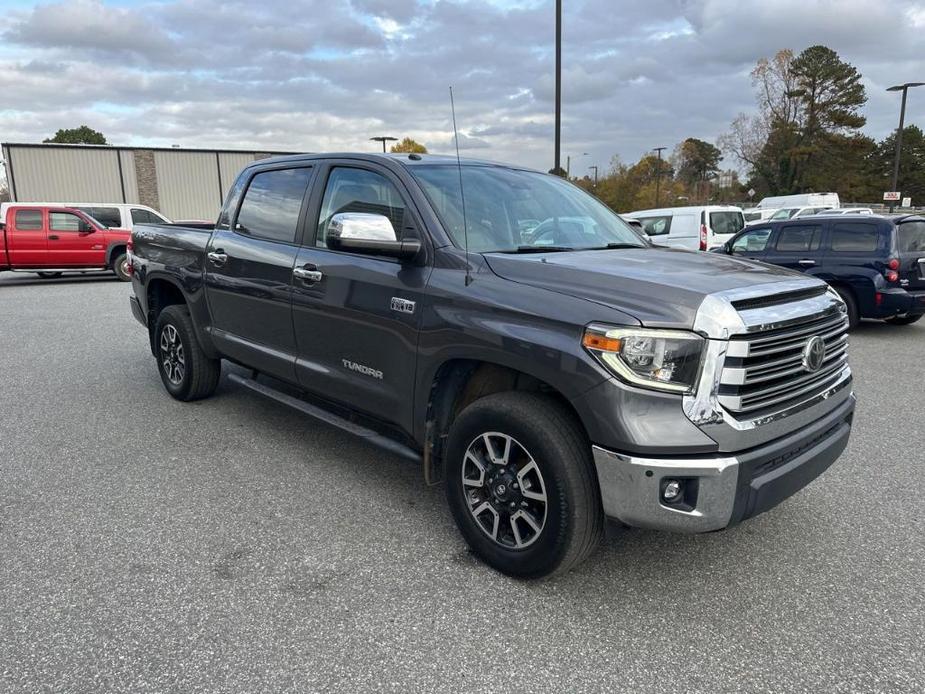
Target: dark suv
x: 876, y: 263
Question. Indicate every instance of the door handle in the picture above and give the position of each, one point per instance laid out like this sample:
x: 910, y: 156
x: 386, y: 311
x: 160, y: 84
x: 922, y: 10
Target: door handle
x: 53, y: 237
x: 309, y: 273
x: 217, y: 258
x: 807, y: 263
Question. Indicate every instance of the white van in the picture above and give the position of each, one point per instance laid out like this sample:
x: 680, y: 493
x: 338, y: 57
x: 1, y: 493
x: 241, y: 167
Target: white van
x: 694, y: 228
x: 801, y: 200
x: 111, y: 215
x: 755, y: 215
x: 793, y: 212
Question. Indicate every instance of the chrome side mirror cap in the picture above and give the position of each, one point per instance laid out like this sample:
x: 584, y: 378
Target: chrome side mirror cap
x: 370, y: 234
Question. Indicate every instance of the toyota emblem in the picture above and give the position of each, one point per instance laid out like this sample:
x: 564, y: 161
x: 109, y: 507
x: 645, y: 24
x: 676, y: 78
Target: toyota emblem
x: 814, y: 354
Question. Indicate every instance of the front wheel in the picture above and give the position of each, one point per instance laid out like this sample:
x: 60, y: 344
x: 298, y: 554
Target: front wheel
x: 521, y: 485
x: 120, y: 267
x: 903, y: 320
x: 187, y: 373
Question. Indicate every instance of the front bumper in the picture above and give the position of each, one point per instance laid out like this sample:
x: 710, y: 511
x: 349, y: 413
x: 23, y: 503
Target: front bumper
x: 721, y: 490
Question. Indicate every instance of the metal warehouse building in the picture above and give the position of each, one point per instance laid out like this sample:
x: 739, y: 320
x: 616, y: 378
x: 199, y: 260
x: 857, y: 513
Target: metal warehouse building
x: 181, y: 183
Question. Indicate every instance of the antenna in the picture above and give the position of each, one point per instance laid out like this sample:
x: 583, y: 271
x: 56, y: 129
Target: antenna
x: 462, y: 191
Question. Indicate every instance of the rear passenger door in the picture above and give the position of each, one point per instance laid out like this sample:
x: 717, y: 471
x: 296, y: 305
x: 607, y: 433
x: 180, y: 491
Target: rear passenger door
x: 357, y: 319
x: 796, y: 246
x: 26, y: 238
x: 248, y: 269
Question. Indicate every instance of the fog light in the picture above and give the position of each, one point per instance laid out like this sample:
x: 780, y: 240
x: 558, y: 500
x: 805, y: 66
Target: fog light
x: 672, y: 491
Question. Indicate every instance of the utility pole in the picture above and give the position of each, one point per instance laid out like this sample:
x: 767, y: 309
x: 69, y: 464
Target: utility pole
x: 658, y: 172
x: 904, y: 88
x: 383, y: 139
x: 558, y: 85
x: 595, y: 174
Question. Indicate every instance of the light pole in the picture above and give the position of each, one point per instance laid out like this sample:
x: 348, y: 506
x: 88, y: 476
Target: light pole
x: 658, y: 172
x: 904, y: 88
x: 383, y: 139
x: 558, y: 85
x: 595, y: 175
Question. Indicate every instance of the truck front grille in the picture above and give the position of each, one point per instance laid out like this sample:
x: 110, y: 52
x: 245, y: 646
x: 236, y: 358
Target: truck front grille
x: 765, y: 371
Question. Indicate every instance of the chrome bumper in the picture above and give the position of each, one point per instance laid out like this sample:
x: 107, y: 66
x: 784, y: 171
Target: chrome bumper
x: 631, y: 486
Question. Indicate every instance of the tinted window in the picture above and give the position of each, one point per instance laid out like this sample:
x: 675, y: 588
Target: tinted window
x: 855, y: 238
x: 231, y: 203
x: 272, y: 203
x: 726, y: 222
x: 911, y: 237
x: 29, y: 220
x: 655, y: 226
x: 145, y: 217
x: 801, y: 238
x: 107, y: 216
x: 751, y: 241
x: 357, y: 190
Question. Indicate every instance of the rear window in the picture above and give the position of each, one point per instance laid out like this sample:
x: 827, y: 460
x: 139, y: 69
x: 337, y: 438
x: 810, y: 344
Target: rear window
x: 140, y: 216
x: 655, y: 226
x: 29, y: 220
x: 910, y: 237
x: 107, y: 216
x: 272, y: 204
x: 726, y: 222
x: 799, y: 238
x: 855, y: 238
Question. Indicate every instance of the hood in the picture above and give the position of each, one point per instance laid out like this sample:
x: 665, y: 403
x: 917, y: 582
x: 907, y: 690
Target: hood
x: 662, y: 287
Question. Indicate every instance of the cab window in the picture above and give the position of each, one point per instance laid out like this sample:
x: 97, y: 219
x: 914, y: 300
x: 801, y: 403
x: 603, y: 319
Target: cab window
x: 358, y: 190
x: 855, y: 238
x: 107, y: 216
x: 272, y: 204
x: 140, y: 216
x: 29, y: 220
x: 751, y: 241
x: 799, y: 238
x: 65, y: 221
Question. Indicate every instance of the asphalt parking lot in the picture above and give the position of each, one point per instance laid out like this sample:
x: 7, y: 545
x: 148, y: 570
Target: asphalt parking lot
x: 233, y: 545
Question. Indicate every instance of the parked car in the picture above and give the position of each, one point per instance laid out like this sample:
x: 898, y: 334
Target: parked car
x: 801, y: 200
x: 111, y: 215
x: 548, y: 375
x: 52, y: 240
x: 694, y: 228
x: 791, y: 212
x: 755, y: 215
x: 876, y: 263
x: 847, y: 210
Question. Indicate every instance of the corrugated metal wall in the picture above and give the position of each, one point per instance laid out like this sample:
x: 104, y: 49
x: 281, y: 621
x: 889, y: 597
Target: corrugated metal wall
x: 58, y: 174
x: 187, y: 184
x: 231, y: 164
x: 128, y: 175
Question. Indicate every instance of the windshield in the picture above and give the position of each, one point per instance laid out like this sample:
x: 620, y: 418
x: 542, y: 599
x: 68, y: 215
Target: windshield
x: 520, y: 211
x: 726, y: 222
x: 785, y: 213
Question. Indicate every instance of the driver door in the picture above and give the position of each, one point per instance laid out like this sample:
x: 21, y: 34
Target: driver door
x: 356, y: 316
x: 73, y: 241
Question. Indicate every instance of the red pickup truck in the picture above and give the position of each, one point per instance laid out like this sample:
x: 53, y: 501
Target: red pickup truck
x: 52, y: 240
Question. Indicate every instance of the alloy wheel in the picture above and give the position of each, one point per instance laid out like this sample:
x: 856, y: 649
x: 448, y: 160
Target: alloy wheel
x: 172, y: 357
x: 505, y: 491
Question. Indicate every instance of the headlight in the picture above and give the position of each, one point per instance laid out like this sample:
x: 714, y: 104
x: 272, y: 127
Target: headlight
x: 666, y: 360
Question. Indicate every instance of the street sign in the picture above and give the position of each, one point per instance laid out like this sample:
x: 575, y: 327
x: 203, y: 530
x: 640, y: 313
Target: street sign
x: 751, y: 192
x: 891, y: 196
x: 907, y: 202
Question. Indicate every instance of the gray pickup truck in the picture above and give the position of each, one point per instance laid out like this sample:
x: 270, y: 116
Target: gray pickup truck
x: 515, y: 337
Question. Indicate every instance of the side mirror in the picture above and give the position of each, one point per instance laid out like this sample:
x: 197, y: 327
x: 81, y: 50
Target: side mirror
x: 372, y: 234
x: 85, y: 227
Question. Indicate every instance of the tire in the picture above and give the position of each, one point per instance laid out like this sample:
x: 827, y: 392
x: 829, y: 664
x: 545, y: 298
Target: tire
x: 903, y: 320
x: 566, y: 527
x: 187, y: 373
x: 49, y: 275
x: 854, y: 317
x: 120, y: 267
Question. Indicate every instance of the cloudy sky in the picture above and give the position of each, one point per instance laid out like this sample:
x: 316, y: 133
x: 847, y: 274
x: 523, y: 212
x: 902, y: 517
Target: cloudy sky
x: 319, y: 75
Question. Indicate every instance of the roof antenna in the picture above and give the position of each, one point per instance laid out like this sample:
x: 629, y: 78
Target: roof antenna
x: 462, y: 192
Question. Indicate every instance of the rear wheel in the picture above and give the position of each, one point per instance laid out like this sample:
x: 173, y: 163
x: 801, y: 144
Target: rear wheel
x: 903, y: 320
x: 187, y: 373
x: 521, y: 486
x: 120, y: 267
x: 49, y: 275
x: 854, y: 317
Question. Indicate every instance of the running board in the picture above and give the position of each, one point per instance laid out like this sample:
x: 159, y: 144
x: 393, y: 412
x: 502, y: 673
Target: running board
x: 370, y: 436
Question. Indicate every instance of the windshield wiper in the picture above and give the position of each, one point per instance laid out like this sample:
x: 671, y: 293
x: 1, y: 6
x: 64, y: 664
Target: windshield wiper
x: 611, y: 246
x: 540, y: 249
